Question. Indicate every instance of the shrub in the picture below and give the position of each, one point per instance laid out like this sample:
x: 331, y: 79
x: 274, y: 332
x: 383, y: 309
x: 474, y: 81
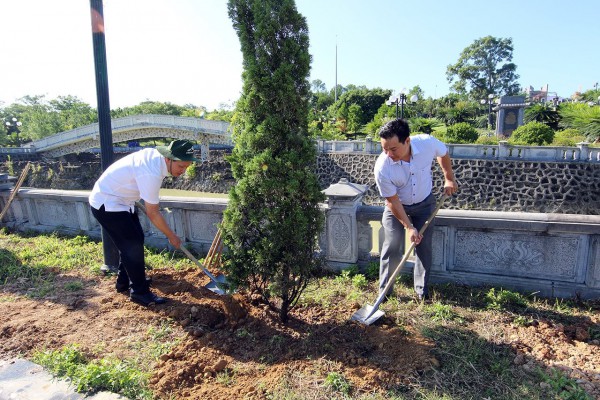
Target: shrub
x: 568, y: 137
x: 423, y: 125
x: 461, y: 133
x: 487, y: 140
x: 532, y: 133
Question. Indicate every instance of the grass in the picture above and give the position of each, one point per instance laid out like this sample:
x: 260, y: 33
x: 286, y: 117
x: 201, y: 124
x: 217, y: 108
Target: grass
x: 94, y: 375
x: 474, y: 361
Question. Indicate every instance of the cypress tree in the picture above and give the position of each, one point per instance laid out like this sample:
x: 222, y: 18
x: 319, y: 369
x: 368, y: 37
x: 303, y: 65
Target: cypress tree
x: 273, y: 220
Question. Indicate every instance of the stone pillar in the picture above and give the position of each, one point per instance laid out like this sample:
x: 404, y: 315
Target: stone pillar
x: 343, y: 199
x: 369, y: 148
x: 502, y: 150
x: 584, y: 151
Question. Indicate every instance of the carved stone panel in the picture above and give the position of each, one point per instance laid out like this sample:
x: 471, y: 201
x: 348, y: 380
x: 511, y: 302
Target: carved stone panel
x: 593, y: 276
x: 202, y: 227
x: 518, y: 254
x: 439, y: 249
x: 340, y: 246
x: 57, y: 213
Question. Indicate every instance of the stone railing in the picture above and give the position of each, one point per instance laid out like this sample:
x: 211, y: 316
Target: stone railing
x: 548, y: 254
x: 502, y: 151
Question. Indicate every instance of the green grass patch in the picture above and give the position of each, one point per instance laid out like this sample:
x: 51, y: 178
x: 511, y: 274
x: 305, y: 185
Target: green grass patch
x: 96, y: 375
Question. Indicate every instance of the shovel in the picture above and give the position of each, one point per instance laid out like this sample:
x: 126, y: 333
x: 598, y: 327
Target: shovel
x: 217, y: 283
x: 371, y: 313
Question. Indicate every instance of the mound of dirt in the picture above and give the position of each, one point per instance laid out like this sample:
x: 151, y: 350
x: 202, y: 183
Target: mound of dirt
x: 233, y: 346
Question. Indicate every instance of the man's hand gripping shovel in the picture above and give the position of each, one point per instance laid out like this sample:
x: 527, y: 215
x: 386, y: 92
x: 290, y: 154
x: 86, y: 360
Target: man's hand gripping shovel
x: 218, y: 284
x: 371, y: 313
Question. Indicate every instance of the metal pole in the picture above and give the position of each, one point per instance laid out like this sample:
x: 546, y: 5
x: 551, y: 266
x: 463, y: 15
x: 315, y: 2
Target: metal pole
x: 402, y: 99
x: 111, y: 254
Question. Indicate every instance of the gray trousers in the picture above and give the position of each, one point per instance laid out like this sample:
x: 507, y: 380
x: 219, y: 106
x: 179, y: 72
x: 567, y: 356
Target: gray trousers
x: 391, y: 254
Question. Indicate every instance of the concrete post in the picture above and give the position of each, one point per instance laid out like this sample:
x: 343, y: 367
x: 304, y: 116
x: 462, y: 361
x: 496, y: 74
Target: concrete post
x: 584, y: 151
x: 343, y: 199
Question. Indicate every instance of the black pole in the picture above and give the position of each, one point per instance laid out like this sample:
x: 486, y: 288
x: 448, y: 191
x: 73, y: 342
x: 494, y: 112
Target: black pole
x: 111, y: 254
x: 402, y: 99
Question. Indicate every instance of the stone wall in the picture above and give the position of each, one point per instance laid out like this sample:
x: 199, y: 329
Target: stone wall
x: 488, y: 185
x: 546, y: 254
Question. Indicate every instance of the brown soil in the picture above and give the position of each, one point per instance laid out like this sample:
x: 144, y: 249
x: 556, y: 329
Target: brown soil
x: 245, y: 339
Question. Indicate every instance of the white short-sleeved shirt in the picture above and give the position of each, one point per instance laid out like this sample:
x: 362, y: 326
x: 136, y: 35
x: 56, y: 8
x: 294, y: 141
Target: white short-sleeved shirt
x: 411, y: 181
x: 136, y: 176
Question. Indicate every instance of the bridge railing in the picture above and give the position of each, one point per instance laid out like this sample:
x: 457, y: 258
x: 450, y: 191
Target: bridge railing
x: 125, y: 123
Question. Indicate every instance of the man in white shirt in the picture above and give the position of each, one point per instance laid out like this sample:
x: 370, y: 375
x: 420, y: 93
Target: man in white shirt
x: 403, y: 177
x: 137, y: 176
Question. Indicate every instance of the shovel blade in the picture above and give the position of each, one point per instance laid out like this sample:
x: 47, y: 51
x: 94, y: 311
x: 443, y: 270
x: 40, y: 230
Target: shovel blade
x: 219, y: 285
x: 367, y: 315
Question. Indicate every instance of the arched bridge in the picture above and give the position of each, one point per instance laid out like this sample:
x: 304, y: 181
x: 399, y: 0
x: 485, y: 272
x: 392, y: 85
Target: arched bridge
x: 136, y: 127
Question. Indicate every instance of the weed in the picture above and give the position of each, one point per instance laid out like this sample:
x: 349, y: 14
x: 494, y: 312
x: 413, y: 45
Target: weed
x: 564, y: 387
x: 226, y: 377
x: 74, y: 286
x: 522, y: 321
x: 338, y: 382
x: 504, y: 299
x: 243, y: 333
x: 441, y: 312
x: 359, y: 281
x: 372, y: 271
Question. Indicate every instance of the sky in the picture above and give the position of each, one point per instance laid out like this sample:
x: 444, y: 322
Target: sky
x: 186, y: 51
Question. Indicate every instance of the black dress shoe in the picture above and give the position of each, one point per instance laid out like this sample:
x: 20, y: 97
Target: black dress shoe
x: 123, y: 287
x: 147, y: 299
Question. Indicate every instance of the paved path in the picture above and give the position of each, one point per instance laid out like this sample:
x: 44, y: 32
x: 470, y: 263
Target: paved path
x: 24, y: 380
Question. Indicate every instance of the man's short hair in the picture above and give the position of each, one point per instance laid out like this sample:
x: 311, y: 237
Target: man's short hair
x: 396, y: 127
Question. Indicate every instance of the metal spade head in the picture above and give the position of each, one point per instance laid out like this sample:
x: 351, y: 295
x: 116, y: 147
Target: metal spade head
x: 219, y: 285
x: 367, y: 315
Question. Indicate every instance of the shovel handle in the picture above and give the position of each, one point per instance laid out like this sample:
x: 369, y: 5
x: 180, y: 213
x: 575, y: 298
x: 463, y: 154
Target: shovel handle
x: 191, y: 257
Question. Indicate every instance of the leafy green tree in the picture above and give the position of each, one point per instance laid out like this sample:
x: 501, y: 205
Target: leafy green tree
x: 273, y: 219
x: 532, y: 133
x: 355, y: 118
x: 484, y: 68
x: 369, y: 101
x: 73, y: 112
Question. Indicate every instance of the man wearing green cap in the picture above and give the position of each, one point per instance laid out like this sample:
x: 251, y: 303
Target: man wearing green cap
x: 137, y: 176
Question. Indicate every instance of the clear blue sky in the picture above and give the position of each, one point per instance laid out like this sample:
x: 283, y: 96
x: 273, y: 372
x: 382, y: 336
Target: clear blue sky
x: 185, y: 51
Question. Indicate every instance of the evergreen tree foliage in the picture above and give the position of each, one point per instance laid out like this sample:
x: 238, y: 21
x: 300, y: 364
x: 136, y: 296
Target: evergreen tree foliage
x: 273, y: 218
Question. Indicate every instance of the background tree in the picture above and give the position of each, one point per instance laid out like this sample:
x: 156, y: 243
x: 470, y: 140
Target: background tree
x: 582, y: 117
x: 484, y: 68
x: 545, y: 113
x: 355, y: 118
x: 273, y: 218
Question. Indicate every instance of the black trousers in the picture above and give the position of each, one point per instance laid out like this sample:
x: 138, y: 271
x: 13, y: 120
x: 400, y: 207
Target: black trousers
x: 126, y: 232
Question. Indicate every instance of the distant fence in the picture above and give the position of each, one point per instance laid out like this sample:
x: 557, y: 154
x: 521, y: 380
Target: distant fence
x: 502, y: 151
